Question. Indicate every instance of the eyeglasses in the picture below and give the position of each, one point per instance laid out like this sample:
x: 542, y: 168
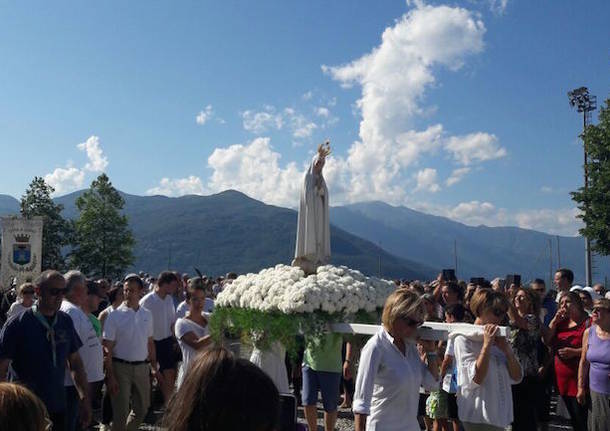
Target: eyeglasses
x: 54, y: 291
x: 598, y: 310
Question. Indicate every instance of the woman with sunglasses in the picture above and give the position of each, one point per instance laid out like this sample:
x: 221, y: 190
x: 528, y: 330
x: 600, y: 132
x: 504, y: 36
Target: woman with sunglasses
x: 486, y: 368
x: 525, y: 338
x: 565, y: 336
x: 594, y: 367
x: 25, y: 299
x: 391, y: 369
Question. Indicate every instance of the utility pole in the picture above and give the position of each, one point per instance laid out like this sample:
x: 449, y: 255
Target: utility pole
x: 558, y: 253
x: 550, y: 261
x: 455, y: 256
x: 585, y: 103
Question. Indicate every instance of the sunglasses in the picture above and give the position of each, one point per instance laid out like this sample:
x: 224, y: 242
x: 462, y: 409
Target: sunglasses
x: 54, y: 291
x: 497, y: 312
x: 413, y: 323
x: 27, y: 292
x: 598, y: 310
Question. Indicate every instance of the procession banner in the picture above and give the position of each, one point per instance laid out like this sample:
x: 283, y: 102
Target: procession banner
x: 21, y: 250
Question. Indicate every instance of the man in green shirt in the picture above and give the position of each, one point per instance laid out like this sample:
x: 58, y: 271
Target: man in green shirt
x: 322, y: 368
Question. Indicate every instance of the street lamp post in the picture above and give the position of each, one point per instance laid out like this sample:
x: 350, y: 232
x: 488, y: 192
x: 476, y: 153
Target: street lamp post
x: 585, y: 103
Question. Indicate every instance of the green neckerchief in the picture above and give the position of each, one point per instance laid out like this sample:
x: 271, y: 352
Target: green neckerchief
x: 50, y: 330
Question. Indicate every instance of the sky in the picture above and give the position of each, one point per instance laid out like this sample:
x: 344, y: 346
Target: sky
x: 452, y: 108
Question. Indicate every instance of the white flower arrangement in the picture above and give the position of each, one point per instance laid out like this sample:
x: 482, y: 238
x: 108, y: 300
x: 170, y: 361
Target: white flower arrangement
x: 285, y: 289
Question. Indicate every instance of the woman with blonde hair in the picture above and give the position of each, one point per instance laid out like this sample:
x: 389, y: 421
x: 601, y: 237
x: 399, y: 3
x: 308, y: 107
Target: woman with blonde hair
x: 25, y: 299
x: 486, y: 368
x: 21, y: 409
x: 391, y: 369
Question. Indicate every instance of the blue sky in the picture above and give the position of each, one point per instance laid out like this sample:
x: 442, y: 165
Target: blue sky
x: 460, y: 109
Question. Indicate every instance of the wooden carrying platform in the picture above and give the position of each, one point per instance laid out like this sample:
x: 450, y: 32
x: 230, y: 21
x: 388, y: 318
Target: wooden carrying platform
x: 428, y: 331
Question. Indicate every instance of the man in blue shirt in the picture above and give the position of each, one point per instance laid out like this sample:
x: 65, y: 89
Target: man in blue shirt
x: 40, y: 342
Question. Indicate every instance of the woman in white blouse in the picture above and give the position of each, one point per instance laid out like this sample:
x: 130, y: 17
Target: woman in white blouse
x: 486, y: 368
x: 391, y: 370
x: 192, y: 330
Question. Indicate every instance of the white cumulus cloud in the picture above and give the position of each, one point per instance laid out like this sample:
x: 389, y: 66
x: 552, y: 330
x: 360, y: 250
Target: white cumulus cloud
x: 561, y: 221
x: 457, y: 175
x: 97, y: 162
x: 474, y: 147
x: 204, y: 115
x: 427, y: 180
x: 393, y: 78
x: 322, y: 111
x: 65, y: 180
x: 191, y: 185
x: 259, y: 122
x: 255, y: 169
x: 70, y: 178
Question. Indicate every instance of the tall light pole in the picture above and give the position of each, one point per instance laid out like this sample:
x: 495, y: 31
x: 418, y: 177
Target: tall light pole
x: 585, y: 103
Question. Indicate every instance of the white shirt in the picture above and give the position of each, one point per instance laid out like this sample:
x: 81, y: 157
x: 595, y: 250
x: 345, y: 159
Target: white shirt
x: 163, y: 312
x: 15, y: 309
x: 183, y: 308
x: 492, y: 401
x: 388, y: 382
x: 183, y: 327
x: 130, y: 330
x: 91, y: 351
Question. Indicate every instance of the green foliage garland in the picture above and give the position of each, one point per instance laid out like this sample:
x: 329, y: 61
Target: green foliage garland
x: 263, y: 328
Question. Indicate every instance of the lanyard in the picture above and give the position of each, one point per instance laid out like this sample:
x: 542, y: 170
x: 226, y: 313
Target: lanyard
x: 50, y: 331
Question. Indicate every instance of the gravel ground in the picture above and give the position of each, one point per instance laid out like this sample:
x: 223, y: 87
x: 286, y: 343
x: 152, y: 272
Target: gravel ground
x: 345, y: 421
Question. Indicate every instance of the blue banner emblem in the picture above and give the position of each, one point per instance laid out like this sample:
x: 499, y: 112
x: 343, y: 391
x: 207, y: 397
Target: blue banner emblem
x: 21, y: 254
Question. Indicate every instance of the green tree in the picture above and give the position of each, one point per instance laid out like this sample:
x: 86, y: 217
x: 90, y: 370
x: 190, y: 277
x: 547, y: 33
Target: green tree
x: 57, y: 232
x: 104, y: 240
x: 594, y: 202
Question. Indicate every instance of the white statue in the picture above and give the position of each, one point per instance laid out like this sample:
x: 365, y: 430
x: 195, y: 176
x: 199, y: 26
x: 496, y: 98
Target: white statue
x: 313, y: 228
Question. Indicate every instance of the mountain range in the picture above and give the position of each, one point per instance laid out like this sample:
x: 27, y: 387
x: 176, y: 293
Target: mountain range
x: 230, y: 231
x: 481, y: 250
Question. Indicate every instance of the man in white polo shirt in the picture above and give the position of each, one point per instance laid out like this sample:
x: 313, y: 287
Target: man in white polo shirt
x: 161, y: 305
x: 91, y: 350
x: 127, y: 336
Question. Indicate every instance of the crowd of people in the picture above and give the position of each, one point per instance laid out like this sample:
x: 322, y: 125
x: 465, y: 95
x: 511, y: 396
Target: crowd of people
x: 76, y: 352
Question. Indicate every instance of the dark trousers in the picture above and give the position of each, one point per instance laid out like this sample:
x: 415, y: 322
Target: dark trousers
x: 106, y: 408
x: 578, y: 413
x: 525, y: 400
x: 293, y: 367
x: 71, y: 418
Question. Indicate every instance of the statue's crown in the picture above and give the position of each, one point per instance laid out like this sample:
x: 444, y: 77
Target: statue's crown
x: 324, y: 149
x: 22, y: 237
